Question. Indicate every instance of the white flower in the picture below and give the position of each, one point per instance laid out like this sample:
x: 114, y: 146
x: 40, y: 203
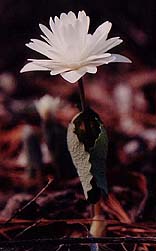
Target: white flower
x: 48, y: 105
x: 71, y: 50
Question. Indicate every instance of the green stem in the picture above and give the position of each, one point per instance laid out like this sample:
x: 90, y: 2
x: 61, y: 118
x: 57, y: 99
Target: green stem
x: 82, y: 94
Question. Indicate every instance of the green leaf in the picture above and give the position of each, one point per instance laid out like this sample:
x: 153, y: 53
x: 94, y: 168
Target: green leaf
x: 88, y: 144
x: 98, y: 155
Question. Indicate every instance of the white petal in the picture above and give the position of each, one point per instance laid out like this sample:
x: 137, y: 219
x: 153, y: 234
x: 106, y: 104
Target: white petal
x: 39, y: 49
x: 112, y: 42
x: 74, y: 76
x: 42, y: 62
x: 104, y: 46
x: 71, y: 17
x: 43, y: 48
x: 81, y: 14
x: 63, y: 16
x: 46, y: 39
x: 120, y: 58
x: 97, y: 57
x: 52, y: 24
x: 97, y: 41
x: 50, y: 64
x: 58, y: 70
x: 46, y: 31
x: 73, y: 42
x: 85, y: 20
x: 103, y: 30
x: 101, y: 61
x: 91, y: 69
x: 111, y: 59
x: 41, y: 44
x: 82, y: 29
x: 70, y: 35
x: 33, y: 67
x: 58, y: 38
x: 57, y: 20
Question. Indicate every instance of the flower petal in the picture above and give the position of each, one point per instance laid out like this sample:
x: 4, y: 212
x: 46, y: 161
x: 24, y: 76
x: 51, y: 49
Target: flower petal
x: 63, y: 17
x: 103, y: 30
x: 71, y: 17
x: 97, y: 40
x: 110, y: 43
x: 41, y: 44
x: 42, y: 47
x: 120, y: 58
x: 73, y: 41
x: 97, y: 57
x: 33, y: 67
x: 101, y: 61
x: 46, y: 31
x: 56, y: 20
x: 85, y: 20
x: 111, y: 59
x: 58, y: 70
x: 74, y: 76
x: 49, y: 64
x: 46, y: 39
x: 91, y: 69
x: 52, y: 24
x: 104, y: 46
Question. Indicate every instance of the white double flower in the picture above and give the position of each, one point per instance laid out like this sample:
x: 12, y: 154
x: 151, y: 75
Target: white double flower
x: 71, y: 50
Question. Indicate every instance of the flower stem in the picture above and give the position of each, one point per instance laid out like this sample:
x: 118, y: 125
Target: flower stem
x: 88, y: 131
x: 82, y: 94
